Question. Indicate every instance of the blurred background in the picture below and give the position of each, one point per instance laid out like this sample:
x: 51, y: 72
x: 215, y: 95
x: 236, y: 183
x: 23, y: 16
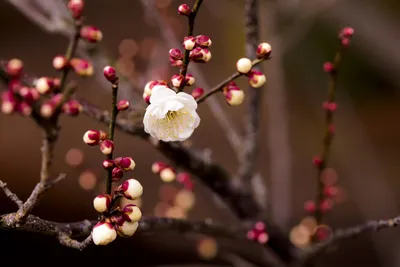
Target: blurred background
x: 303, y: 35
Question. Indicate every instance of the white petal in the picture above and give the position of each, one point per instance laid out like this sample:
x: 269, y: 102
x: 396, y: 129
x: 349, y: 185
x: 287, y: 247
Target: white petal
x: 172, y: 106
x: 159, y: 93
x: 187, y: 100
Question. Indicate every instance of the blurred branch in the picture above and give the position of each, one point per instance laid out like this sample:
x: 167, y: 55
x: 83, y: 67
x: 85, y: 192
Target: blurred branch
x: 13, y: 197
x: 217, y: 111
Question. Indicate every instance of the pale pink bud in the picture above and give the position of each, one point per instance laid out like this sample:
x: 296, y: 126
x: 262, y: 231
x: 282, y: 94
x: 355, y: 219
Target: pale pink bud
x: 131, y: 213
x: 167, y: 175
x: 158, y: 166
x: 108, y: 164
x: 110, y: 74
x: 47, y: 109
x: 345, y: 42
x: 123, y: 105
x: 234, y: 97
x: 82, y: 67
x: 127, y: 229
x: 256, y: 79
x: 264, y: 50
x: 346, y: 32
x: 24, y: 108
x: 14, y: 67
x: 176, y: 80
x: 91, y: 34
x: 107, y: 147
x: 8, y: 103
x: 189, y: 79
x: 72, y: 107
x: 131, y: 189
x: 175, y: 54
x: 189, y: 42
x: 91, y: 137
x: 102, y: 203
x: 197, y: 93
x: 125, y: 163
x: 184, y: 10
x: 310, y: 206
x: 28, y: 95
x: 200, y: 55
x: 244, y: 65
x: 117, y: 174
x: 44, y: 85
x: 203, y: 41
x: 150, y: 85
x: 76, y: 8
x: 103, y: 233
x: 60, y: 62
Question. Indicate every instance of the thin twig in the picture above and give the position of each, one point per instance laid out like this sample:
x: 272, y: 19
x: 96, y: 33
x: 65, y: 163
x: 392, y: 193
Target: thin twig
x: 248, y: 159
x: 221, y: 85
x: 13, y: 197
x: 186, y: 59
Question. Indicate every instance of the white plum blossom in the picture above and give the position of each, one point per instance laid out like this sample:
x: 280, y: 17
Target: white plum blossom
x: 170, y: 116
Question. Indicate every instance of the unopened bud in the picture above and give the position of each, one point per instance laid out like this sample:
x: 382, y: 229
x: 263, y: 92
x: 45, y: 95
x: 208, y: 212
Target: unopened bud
x: 131, y: 189
x: 189, y: 42
x: 8, y: 103
x: 127, y: 229
x: 117, y: 174
x: 200, y: 55
x: 167, y: 175
x: 264, y: 50
x: 256, y: 79
x: 44, y: 85
x: 203, y: 41
x: 244, y: 65
x: 184, y: 10
x: 158, y: 166
x: 91, y: 34
x: 309, y: 206
x: 123, y: 105
x: 131, y: 213
x: 197, y: 93
x: 102, y: 202
x: 175, y: 54
x: 60, y: 62
x: 189, y: 79
x: 110, y: 74
x: 108, y: 164
x: 24, y: 108
x: 107, y: 147
x: 72, y: 107
x: 91, y: 137
x: 76, y: 8
x: 82, y: 67
x: 103, y: 233
x: 234, y: 97
x: 329, y: 67
x: 125, y: 163
x: 14, y: 67
x: 176, y: 80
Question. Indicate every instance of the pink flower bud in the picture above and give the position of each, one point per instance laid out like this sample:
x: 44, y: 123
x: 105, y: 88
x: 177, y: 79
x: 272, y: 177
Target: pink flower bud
x: 146, y: 98
x: 47, y: 109
x: 76, y: 8
x: 176, y: 80
x: 330, y: 191
x: 44, y: 85
x: 309, y: 206
x: 244, y: 65
x: 189, y: 42
x: 102, y: 203
x: 264, y: 50
x: 14, y: 85
x: 329, y: 106
x: 103, y: 233
x: 72, y: 107
x: 117, y: 174
x: 91, y: 34
x: 131, y: 189
x: 60, y: 62
x: 346, y: 32
x: 167, y: 175
x: 203, y: 41
x: 107, y: 147
x: 110, y: 74
x: 8, y: 103
x: 197, y: 93
x: 150, y: 85
x: 234, y: 97
x: 184, y: 10
x: 175, y: 62
x: 14, y: 67
x: 125, y: 163
x: 185, y: 179
x: 200, y: 55
x: 108, y: 164
x: 82, y: 67
x: 127, y: 229
x: 131, y: 213
x: 28, y: 95
x: 158, y: 166
x: 329, y: 67
x: 345, y: 42
x: 317, y: 161
x: 92, y: 137
x: 123, y: 105
x: 189, y: 79
x: 24, y: 109
x: 175, y: 54
x: 326, y: 205
x: 256, y: 79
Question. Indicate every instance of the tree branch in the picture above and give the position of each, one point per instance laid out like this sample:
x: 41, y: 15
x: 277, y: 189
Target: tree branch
x: 13, y: 197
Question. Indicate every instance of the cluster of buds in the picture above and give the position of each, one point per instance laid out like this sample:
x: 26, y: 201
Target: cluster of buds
x: 345, y: 36
x: 258, y: 233
x: 168, y: 174
x: 123, y: 222
x: 177, y: 80
x: 234, y: 96
x: 149, y: 87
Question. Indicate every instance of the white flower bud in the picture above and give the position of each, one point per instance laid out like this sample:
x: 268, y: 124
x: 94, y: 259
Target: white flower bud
x: 189, y: 43
x: 131, y: 189
x: 190, y: 80
x: 256, y: 79
x: 127, y: 229
x: 243, y: 65
x: 103, y: 233
x: 235, y: 97
x: 167, y: 175
x: 176, y: 80
x: 131, y: 213
x: 44, y: 85
x: 264, y: 50
x: 102, y: 202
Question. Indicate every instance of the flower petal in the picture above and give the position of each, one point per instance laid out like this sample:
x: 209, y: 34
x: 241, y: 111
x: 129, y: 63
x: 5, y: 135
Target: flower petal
x: 159, y: 93
x: 187, y: 100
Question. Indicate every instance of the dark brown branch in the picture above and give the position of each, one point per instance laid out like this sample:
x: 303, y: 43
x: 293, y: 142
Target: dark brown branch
x: 248, y: 159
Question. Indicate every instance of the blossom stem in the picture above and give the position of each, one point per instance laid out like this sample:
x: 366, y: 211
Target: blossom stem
x: 111, y: 128
x: 186, y: 58
x: 221, y: 85
x: 328, y: 137
x: 73, y: 45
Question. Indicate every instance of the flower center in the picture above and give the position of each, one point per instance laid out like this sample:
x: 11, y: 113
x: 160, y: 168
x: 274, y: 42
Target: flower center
x: 172, y: 115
